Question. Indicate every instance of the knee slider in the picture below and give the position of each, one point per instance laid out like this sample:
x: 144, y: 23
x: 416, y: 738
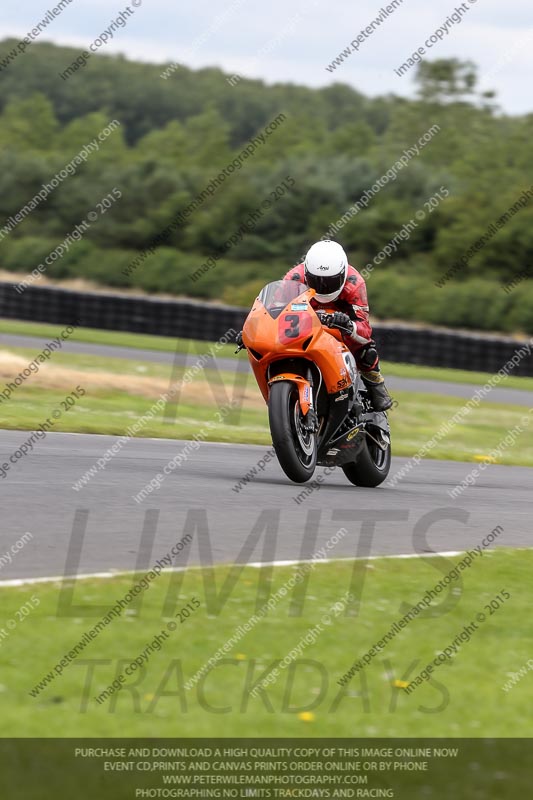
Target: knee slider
x: 368, y: 357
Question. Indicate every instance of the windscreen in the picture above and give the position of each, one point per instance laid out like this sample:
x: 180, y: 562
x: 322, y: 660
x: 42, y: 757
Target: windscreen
x: 275, y: 296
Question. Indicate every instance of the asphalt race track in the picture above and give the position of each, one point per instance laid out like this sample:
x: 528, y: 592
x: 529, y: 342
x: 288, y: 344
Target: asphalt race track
x: 415, y: 516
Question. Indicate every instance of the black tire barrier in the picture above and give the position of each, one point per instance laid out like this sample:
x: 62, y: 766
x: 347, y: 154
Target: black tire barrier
x: 189, y: 319
x: 438, y: 347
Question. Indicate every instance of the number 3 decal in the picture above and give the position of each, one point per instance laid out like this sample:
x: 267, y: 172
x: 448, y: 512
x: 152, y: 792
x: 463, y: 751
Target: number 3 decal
x: 294, y: 331
x: 294, y: 326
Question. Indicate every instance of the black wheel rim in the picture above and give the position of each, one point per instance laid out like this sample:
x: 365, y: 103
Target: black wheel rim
x: 304, y: 440
x: 377, y: 454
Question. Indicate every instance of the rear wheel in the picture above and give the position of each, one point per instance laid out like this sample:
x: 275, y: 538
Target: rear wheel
x: 372, y: 465
x: 295, y: 447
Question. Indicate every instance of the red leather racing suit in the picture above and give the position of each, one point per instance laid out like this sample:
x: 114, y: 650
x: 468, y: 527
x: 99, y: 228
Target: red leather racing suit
x: 352, y: 301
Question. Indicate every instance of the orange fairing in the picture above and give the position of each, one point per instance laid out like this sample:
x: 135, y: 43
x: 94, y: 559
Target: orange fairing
x: 282, y: 329
x: 304, y: 388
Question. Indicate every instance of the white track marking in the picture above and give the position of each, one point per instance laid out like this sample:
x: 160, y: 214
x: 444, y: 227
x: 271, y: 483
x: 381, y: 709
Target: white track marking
x: 255, y: 564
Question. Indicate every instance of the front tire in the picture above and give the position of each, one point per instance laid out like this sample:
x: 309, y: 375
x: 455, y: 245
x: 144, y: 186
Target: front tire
x: 295, y: 448
x: 372, y: 465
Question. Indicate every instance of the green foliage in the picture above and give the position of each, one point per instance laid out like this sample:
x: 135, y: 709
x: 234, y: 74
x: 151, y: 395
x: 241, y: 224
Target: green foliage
x: 397, y: 295
x: 446, y: 79
x: 177, y: 136
x: 28, y: 124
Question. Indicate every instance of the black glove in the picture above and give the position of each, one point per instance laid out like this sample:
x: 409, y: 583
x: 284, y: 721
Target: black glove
x: 340, y: 320
x: 238, y: 342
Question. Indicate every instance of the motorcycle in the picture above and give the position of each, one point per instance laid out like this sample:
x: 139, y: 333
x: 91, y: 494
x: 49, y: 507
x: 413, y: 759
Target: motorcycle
x: 318, y: 407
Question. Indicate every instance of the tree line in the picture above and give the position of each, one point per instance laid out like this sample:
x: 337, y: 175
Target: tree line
x: 206, y: 175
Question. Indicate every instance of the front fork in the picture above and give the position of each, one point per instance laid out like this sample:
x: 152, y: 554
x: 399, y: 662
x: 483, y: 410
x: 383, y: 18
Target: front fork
x: 311, y: 425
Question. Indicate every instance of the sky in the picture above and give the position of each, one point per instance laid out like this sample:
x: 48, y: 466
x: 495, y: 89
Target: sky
x: 295, y: 40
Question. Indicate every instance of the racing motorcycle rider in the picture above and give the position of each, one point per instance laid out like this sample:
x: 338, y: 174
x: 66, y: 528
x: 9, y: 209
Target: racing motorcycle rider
x: 341, y: 287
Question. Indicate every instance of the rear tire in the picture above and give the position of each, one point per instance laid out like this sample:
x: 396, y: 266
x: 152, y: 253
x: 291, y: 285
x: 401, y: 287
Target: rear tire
x: 372, y: 465
x: 296, y: 450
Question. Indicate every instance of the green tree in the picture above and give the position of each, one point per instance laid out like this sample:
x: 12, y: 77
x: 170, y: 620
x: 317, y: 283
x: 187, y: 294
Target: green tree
x: 29, y: 124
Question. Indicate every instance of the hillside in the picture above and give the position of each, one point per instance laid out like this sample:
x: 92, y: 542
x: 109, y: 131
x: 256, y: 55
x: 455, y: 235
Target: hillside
x: 173, y: 180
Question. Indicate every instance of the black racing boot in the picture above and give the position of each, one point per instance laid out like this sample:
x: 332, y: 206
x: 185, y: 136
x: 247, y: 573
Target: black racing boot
x: 377, y: 391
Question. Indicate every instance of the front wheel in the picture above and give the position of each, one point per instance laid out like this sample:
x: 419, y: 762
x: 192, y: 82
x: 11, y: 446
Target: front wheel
x: 372, y: 465
x: 295, y: 447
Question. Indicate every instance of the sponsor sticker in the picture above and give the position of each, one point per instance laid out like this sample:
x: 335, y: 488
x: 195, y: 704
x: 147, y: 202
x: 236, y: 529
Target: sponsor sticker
x: 298, y: 306
x: 352, y: 434
x: 342, y: 396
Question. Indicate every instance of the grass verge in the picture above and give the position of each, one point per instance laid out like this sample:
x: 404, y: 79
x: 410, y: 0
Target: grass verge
x: 464, y: 697
x: 166, y: 344
x: 416, y: 420
x: 120, y: 392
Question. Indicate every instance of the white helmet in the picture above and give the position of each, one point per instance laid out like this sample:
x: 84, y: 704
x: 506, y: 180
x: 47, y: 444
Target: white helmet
x: 326, y: 265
